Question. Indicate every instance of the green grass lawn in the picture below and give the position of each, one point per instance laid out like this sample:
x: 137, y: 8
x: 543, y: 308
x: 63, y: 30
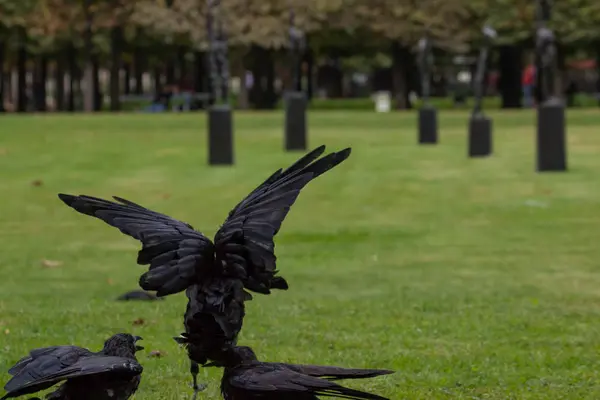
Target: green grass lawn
x: 473, y: 279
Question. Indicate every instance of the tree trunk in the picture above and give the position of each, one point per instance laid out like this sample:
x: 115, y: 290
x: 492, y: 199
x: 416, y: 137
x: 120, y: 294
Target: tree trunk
x: 170, y: 72
x: 262, y: 95
x: 9, y: 89
x: 598, y: 70
x: 330, y: 78
x: 88, y: 68
x: 310, y: 74
x: 271, y: 96
x: 39, y: 83
x: 2, y: 75
x: 157, y: 79
x: 138, y: 64
x: 59, y: 79
x: 115, y: 67
x: 22, y: 72
x: 401, y: 56
x: 72, y: 65
x: 238, y: 69
x: 96, y: 83
x: 242, y: 101
x: 89, y: 98
x: 182, y: 64
x: 511, y: 67
x: 127, y: 78
x: 200, y: 73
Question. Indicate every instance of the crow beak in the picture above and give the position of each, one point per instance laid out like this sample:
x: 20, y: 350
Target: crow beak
x: 138, y: 347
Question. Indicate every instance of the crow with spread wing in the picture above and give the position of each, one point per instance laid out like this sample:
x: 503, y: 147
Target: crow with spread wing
x: 112, y: 373
x: 215, y: 275
x: 246, y: 378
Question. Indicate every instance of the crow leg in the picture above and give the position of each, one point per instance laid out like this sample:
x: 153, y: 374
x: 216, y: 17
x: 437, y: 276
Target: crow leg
x: 194, y: 369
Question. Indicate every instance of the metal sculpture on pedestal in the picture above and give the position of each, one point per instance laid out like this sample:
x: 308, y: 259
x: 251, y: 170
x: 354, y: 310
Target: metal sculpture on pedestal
x: 480, y: 126
x: 220, y: 123
x: 427, y: 113
x: 551, y: 125
x: 296, y: 101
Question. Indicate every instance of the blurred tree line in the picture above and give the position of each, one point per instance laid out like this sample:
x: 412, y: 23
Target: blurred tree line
x: 70, y: 42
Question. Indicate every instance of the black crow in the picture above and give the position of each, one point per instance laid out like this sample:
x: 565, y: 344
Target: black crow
x: 246, y: 378
x: 215, y: 274
x: 111, y: 374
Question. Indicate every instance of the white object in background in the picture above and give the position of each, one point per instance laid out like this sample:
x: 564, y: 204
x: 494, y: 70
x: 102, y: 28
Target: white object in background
x: 464, y: 77
x: 383, y: 101
x: 413, y: 96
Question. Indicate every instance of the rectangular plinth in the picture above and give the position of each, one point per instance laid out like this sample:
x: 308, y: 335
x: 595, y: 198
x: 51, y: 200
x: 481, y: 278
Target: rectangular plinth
x: 480, y: 136
x: 295, y: 121
x: 551, y: 137
x: 220, y: 135
x: 428, y: 125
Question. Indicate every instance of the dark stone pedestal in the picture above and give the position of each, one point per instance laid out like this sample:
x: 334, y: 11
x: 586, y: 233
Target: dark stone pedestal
x: 295, y: 121
x: 220, y: 135
x: 428, y: 125
x: 551, y: 137
x: 480, y: 136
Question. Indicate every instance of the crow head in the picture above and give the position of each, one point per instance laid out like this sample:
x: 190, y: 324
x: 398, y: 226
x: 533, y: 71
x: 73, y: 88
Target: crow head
x: 122, y: 345
x: 234, y: 356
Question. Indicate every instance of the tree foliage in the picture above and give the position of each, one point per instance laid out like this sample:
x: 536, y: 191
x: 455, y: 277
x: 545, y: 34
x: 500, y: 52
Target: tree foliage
x: 452, y: 24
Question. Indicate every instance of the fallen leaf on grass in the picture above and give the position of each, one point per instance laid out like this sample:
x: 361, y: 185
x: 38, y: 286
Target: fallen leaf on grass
x: 166, y: 196
x: 156, y: 353
x: 51, y: 263
x: 6, y: 331
x: 139, y: 321
x: 37, y: 182
x: 110, y: 281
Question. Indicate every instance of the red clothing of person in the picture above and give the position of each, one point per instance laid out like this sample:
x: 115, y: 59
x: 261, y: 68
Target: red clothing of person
x: 528, y: 75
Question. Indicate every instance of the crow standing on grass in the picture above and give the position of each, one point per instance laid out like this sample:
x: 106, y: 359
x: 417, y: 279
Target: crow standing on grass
x: 111, y: 374
x: 246, y: 378
x: 214, y: 274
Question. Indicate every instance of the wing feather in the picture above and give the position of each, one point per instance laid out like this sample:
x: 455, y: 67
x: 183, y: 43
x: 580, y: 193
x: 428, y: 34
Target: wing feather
x: 284, y: 381
x: 334, y: 373
x: 253, y: 224
x: 175, y: 252
x: 50, y: 368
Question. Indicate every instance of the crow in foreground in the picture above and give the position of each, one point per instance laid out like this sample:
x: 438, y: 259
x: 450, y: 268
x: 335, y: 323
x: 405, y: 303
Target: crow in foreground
x: 113, y: 373
x: 246, y: 378
x: 214, y: 274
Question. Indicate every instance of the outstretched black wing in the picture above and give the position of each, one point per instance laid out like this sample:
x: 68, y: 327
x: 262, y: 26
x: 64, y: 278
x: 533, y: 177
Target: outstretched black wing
x: 244, y: 244
x: 333, y: 373
x: 265, y: 379
x: 58, y: 352
x: 175, y: 251
x: 46, y: 367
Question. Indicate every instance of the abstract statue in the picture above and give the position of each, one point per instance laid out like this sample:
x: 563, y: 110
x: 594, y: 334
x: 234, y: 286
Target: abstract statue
x: 297, y: 46
x: 546, y: 50
x: 218, y: 60
x: 295, y: 127
x: 425, y: 61
x: 489, y: 35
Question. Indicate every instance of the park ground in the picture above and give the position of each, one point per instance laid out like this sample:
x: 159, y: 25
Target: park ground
x: 472, y: 278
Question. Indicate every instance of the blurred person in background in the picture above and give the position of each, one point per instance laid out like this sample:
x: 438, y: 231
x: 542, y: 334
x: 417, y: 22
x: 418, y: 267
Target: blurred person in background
x: 528, y: 81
